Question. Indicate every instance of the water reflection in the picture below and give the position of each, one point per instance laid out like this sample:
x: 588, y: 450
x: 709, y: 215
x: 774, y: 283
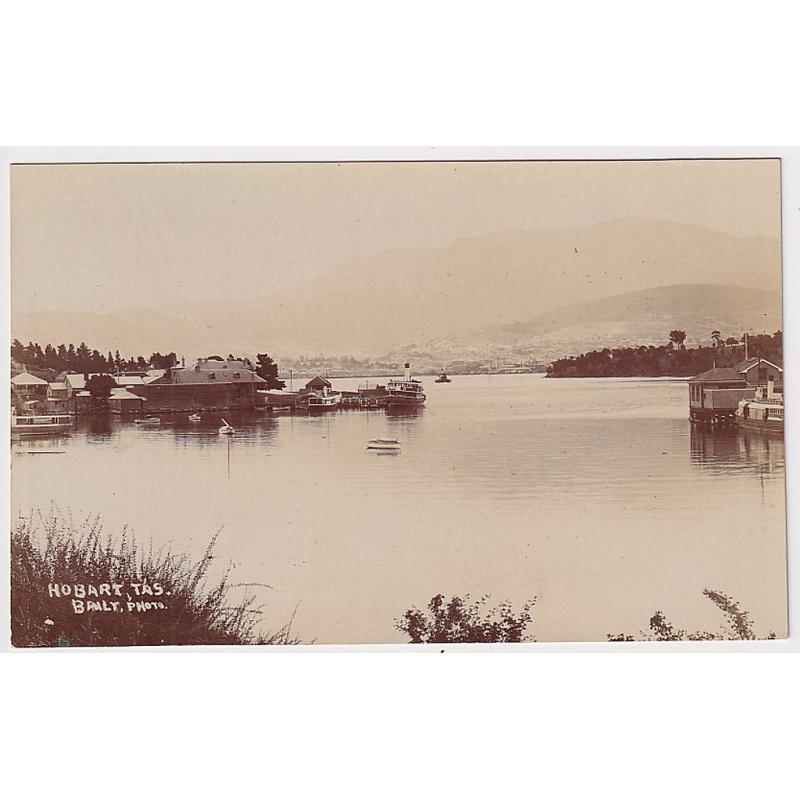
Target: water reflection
x: 729, y: 448
x: 99, y: 425
x: 575, y: 488
x: 405, y: 411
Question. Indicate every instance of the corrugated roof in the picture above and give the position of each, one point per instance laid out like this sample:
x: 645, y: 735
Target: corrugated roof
x: 744, y: 365
x: 26, y: 379
x: 749, y: 363
x: 75, y: 380
x: 720, y: 374
x: 123, y: 394
x: 187, y: 377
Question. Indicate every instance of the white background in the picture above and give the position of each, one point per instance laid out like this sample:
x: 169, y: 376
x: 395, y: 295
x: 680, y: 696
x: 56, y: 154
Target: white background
x: 424, y: 74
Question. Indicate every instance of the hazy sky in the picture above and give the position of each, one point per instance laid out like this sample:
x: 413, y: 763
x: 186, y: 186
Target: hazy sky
x: 104, y: 237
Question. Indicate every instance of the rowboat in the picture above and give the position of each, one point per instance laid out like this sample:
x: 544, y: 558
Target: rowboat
x: 148, y: 421
x: 383, y: 444
x: 226, y: 428
x: 195, y: 418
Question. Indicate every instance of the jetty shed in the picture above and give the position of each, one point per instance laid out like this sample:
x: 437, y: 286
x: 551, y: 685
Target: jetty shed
x: 715, y: 394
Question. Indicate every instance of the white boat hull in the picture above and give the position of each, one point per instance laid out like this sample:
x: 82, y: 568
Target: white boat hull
x: 383, y: 444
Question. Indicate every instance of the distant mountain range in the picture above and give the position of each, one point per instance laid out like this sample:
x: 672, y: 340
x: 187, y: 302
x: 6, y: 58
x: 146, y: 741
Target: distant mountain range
x: 466, y: 298
x: 633, y: 318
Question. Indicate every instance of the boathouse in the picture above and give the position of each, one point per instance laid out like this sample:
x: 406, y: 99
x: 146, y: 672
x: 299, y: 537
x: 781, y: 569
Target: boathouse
x: 122, y: 402
x: 714, y: 395
x: 214, y: 383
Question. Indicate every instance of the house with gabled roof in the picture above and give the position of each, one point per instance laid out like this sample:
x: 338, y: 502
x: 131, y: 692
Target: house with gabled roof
x: 28, y: 389
x: 758, y: 371
x: 715, y: 394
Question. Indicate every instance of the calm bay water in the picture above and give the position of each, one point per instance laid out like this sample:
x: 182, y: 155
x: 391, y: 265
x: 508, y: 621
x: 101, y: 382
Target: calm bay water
x: 595, y: 496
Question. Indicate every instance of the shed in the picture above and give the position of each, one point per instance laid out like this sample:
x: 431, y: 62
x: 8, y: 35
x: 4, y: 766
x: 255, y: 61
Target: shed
x: 122, y: 401
x: 711, y: 397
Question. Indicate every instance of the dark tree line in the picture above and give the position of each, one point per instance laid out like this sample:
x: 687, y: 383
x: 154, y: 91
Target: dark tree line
x: 69, y: 358
x: 672, y: 359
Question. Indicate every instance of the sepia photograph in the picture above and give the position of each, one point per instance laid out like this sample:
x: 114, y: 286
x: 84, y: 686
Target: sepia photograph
x: 396, y: 402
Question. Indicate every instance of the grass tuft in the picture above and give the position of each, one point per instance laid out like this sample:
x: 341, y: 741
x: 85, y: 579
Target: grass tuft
x: 52, y: 549
x: 736, y: 625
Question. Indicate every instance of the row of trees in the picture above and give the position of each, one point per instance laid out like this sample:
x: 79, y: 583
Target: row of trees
x: 69, y: 358
x: 672, y: 359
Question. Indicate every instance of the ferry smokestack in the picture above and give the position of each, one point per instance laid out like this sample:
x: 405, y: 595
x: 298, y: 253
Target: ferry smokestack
x: 408, y: 371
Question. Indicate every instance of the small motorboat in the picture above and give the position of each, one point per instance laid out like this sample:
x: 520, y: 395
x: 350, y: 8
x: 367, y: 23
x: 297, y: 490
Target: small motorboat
x: 195, y: 418
x: 226, y: 428
x: 148, y: 421
x: 383, y: 444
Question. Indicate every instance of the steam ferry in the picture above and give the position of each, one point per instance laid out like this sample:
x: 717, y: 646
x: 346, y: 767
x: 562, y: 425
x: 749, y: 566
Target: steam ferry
x: 762, y: 413
x: 404, y: 392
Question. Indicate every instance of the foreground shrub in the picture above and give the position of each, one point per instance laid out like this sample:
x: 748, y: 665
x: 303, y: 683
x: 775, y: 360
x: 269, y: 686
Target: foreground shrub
x: 461, y: 621
x: 736, y: 625
x: 71, y: 585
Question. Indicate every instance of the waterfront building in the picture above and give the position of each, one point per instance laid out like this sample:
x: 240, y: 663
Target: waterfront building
x: 317, y: 396
x: 214, y: 383
x: 28, y: 389
x: 122, y: 401
x: 714, y: 395
x: 57, y: 400
x: 318, y: 385
x: 758, y: 372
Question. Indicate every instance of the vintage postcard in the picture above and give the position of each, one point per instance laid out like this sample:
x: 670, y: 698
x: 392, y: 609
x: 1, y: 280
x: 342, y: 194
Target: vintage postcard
x: 396, y: 402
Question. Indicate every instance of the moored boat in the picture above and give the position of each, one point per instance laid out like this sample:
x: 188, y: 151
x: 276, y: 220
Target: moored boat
x: 383, y: 444
x: 147, y: 421
x: 195, y: 418
x: 40, y: 424
x: 323, y: 402
x: 762, y: 413
x: 226, y: 428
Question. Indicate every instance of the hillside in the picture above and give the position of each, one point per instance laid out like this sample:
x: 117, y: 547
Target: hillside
x: 435, y: 294
x: 633, y: 318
